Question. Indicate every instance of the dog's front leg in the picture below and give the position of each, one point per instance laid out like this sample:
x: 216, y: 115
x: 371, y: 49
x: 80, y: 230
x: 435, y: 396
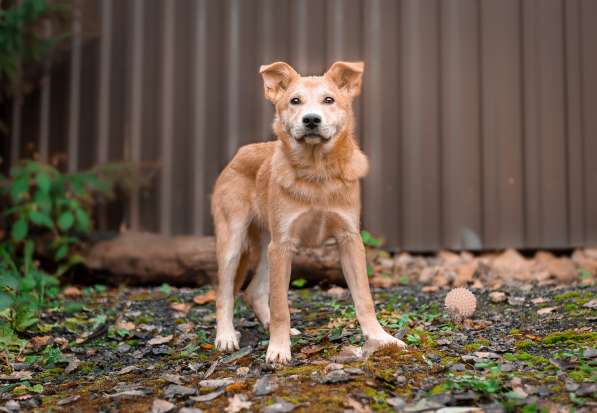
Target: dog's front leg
x: 353, y: 260
x: 280, y: 260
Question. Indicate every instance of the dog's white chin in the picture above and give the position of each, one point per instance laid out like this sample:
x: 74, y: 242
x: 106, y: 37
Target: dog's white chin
x: 313, y: 140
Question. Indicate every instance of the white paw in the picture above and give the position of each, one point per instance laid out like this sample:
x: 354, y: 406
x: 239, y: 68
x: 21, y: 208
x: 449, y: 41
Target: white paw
x: 278, y: 353
x: 227, y: 341
x: 385, y: 339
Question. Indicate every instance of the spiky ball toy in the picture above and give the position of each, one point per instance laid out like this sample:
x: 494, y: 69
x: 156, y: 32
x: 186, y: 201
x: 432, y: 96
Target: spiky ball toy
x: 460, y: 303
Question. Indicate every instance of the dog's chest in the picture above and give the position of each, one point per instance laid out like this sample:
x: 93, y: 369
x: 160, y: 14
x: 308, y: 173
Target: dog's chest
x: 312, y: 227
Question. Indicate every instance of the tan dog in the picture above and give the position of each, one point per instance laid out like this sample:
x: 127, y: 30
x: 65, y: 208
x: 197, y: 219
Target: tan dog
x: 299, y: 190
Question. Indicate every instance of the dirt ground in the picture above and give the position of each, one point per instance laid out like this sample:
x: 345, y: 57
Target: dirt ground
x: 528, y: 347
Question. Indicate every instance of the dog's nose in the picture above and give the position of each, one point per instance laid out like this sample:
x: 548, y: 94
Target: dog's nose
x: 311, y: 120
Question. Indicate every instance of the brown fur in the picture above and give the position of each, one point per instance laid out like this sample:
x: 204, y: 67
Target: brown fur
x: 299, y: 190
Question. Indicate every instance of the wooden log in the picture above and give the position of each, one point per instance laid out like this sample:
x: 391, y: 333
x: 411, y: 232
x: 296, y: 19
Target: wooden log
x: 146, y: 258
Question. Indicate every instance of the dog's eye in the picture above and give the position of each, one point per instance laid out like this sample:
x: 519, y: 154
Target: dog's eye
x: 329, y: 100
x: 295, y: 101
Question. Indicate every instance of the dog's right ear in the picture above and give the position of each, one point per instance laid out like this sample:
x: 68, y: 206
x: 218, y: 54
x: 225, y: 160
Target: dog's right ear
x: 276, y: 78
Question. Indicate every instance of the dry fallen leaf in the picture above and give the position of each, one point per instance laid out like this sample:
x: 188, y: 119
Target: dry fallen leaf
x: 39, y: 342
x: 181, y: 307
x: 125, y: 325
x: 73, y: 364
x: 357, y: 406
x: 237, y: 403
x: 161, y: 406
x: 205, y: 298
x: 17, y: 376
x: 72, y: 292
x: 546, y: 310
x: 157, y: 340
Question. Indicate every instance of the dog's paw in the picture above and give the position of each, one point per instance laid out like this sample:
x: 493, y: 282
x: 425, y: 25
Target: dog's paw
x: 227, y: 341
x: 383, y: 340
x: 278, y: 353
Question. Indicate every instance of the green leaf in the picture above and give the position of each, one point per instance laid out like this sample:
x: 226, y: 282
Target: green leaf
x: 44, y: 183
x: 20, y: 230
x: 41, y: 219
x: 369, y: 240
x: 6, y: 300
x: 61, y: 252
x: 66, y: 220
x: 299, y: 283
x: 20, y: 186
x: 83, y: 221
x: 9, y: 281
x: 27, y: 283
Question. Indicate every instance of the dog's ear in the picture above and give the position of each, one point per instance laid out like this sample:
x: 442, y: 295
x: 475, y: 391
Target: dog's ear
x: 347, y: 76
x: 276, y: 78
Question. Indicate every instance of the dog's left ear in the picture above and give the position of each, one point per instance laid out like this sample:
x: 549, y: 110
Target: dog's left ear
x: 347, y: 76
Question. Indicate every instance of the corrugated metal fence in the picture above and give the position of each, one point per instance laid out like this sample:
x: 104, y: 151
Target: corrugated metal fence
x: 479, y: 116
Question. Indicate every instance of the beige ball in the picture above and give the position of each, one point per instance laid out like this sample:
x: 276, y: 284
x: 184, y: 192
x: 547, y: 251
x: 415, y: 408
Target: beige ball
x: 460, y: 303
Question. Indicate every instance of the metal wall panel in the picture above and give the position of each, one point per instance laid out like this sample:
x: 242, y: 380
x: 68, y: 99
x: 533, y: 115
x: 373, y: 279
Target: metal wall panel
x: 478, y: 116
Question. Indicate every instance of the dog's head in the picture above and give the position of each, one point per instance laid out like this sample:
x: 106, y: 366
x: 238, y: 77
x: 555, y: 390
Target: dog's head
x: 312, y: 110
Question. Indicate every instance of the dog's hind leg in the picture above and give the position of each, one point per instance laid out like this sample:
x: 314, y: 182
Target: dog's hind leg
x: 231, y: 241
x: 257, y: 293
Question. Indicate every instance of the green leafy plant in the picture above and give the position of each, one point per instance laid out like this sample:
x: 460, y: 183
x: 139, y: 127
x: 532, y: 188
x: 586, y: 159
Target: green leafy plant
x: 43, y: 201
x: 299, y: 283
x: 369, y: 240
x: 21, y: 43
x: 23, y: 290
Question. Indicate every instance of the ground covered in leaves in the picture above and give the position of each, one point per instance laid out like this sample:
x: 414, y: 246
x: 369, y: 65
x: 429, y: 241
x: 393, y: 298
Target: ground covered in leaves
x: 140, y: 350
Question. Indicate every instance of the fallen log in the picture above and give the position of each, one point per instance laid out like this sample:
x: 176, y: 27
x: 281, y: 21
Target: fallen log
x: 146, y: 258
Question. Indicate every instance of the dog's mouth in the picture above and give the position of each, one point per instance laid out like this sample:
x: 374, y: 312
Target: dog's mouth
x: 312, y: 138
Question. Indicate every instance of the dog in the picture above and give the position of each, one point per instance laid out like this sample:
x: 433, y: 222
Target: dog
x: 299, y: 190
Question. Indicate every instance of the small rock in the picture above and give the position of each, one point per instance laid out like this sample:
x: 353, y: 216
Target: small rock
x: 190, y: 410
x: 589, y: 353
x: 497, y: 297
x: 265, y: 385
x: 176, y: 390
x: 538, y: 300
x: 245, y: 351
x: 354, y: 370
x: 422, y: 406
x: 457, y: 367
x: 280, y: 406
x: 216, y: 383
x: 123, y: 348
x: 161, y: 406
x: 68, y: 400
x: 516, y: 301
x: 335, y: 376
x: 208, y: 396
x: 157, y: 340
x: 400, y: 380
x: 349, y: 354
x: 295, y: 332
x: 396, y: 402
x: 591, y: 304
